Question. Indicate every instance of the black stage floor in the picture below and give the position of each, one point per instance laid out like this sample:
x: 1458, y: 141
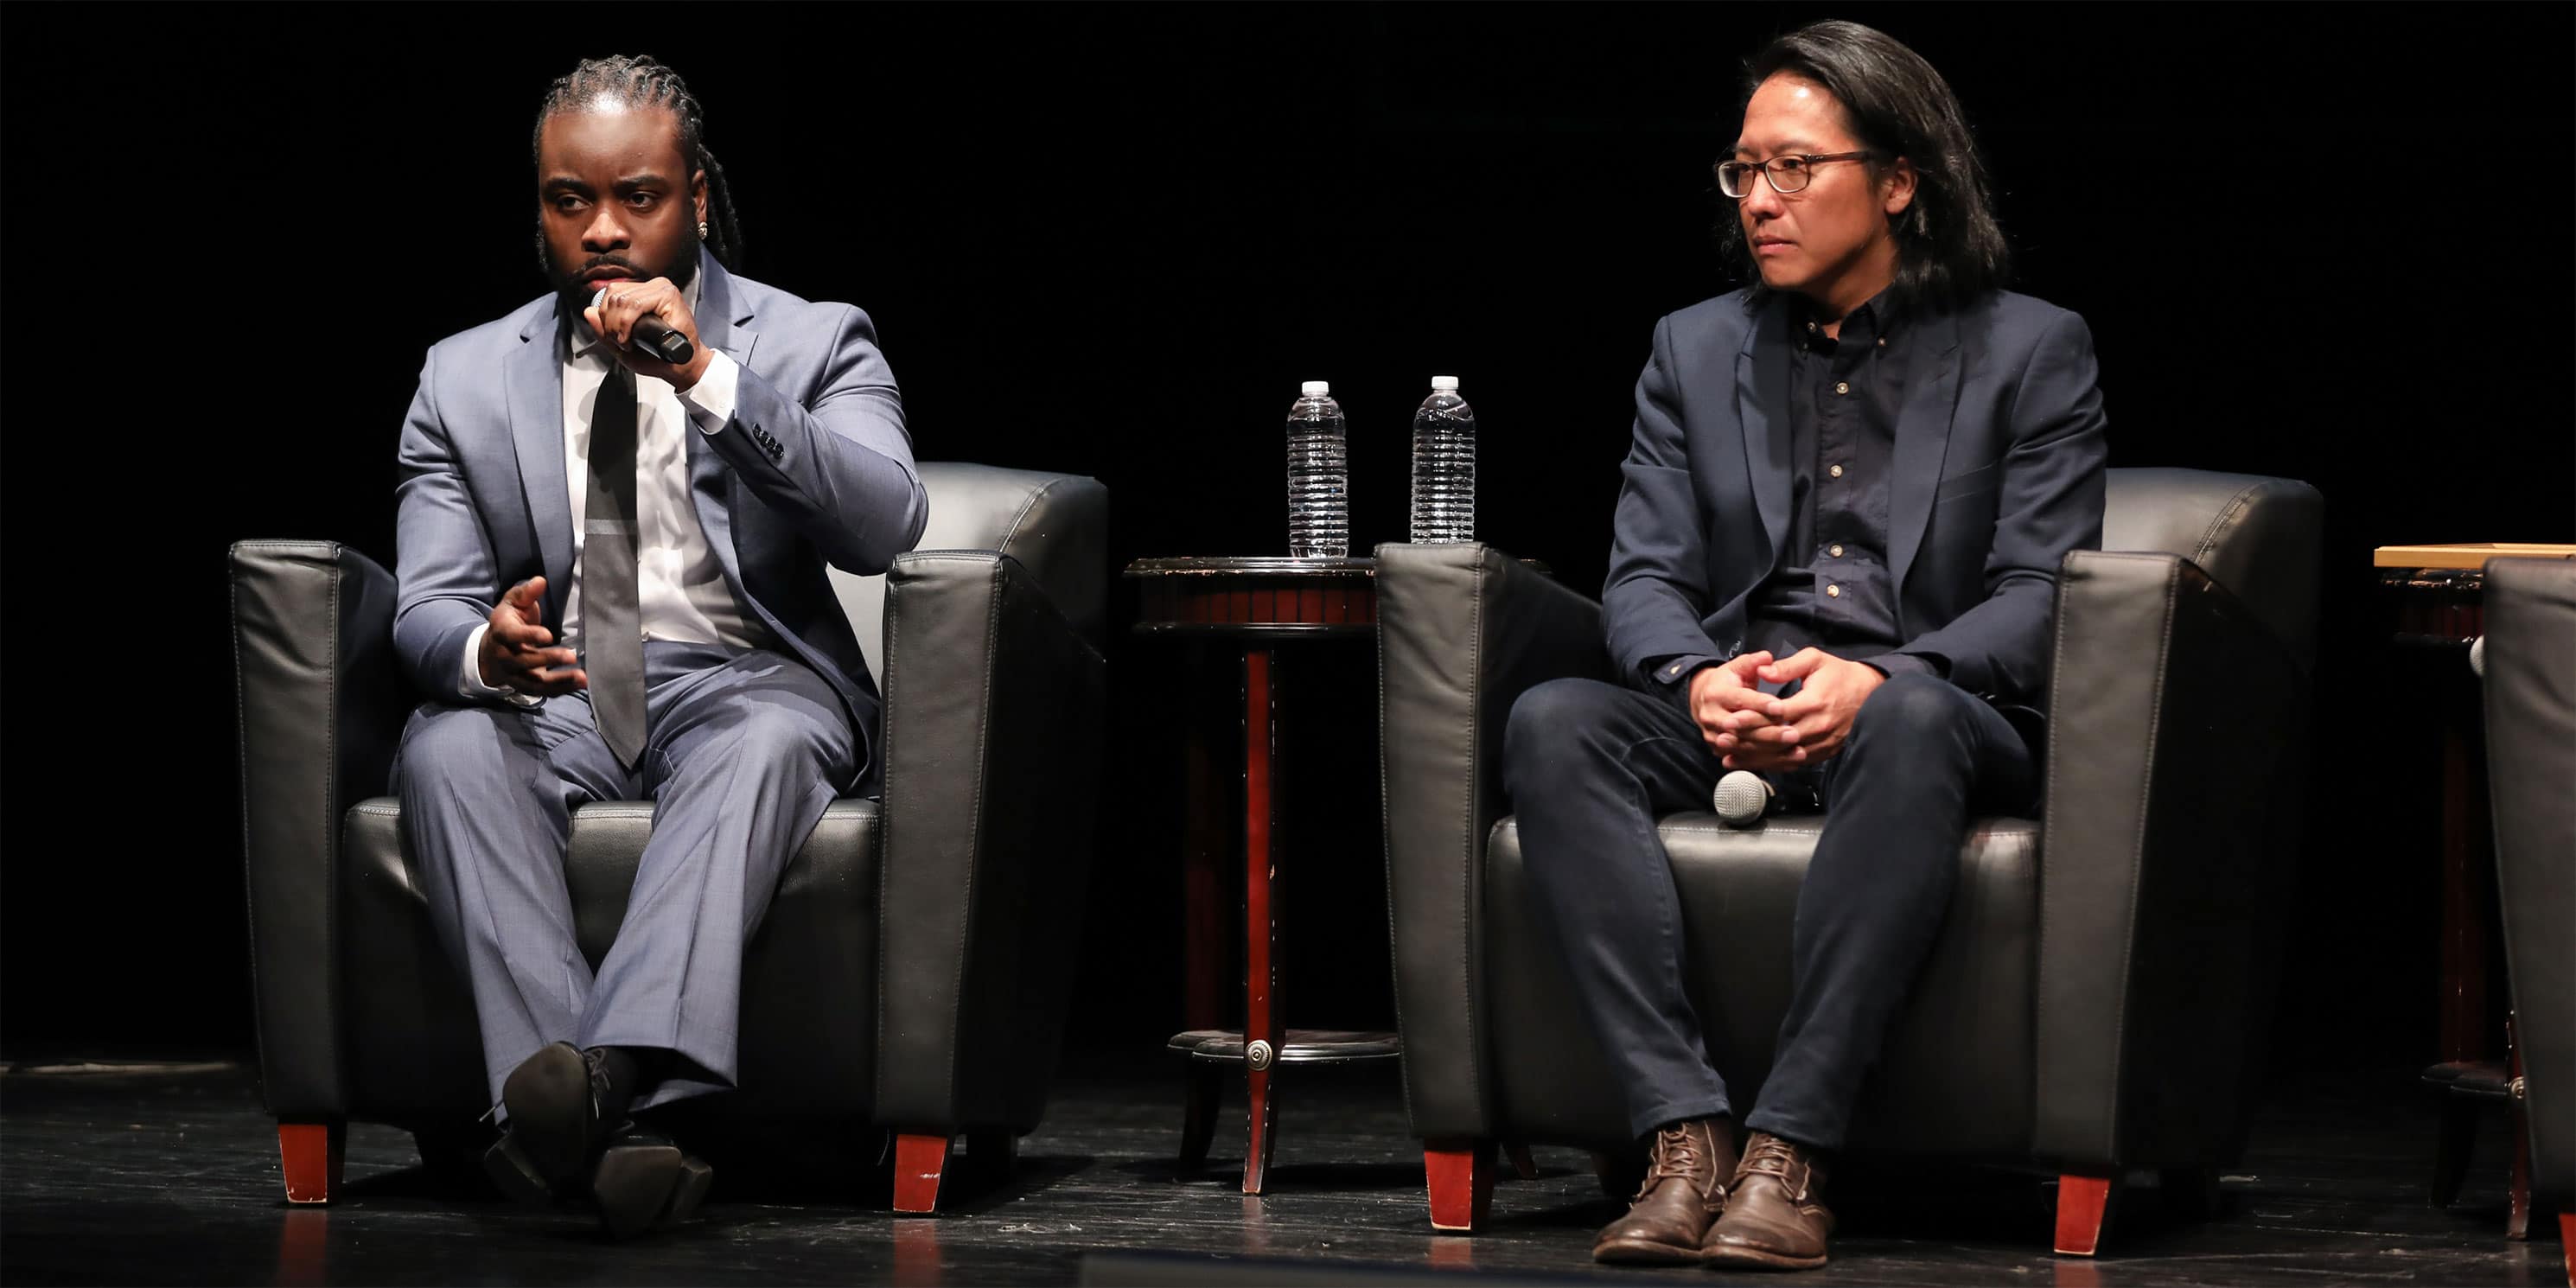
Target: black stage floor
x: 170, y: 1175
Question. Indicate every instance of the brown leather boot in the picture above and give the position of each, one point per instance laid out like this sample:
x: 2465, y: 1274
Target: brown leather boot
x: 1773, y: 1219
x: 1684, y: 1190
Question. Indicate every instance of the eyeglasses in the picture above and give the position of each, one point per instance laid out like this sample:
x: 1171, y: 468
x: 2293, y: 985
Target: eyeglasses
x: 1785, y: 174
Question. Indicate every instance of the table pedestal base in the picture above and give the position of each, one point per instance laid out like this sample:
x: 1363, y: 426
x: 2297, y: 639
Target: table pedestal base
x: 1211, y: 1051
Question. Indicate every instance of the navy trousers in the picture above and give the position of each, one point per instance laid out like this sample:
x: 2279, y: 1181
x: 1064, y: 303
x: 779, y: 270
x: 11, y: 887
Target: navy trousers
x: 1591, y: 765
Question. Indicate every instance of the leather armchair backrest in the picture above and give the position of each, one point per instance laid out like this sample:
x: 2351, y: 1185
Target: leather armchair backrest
x: 1055, y: 525
x: 2258, y: 537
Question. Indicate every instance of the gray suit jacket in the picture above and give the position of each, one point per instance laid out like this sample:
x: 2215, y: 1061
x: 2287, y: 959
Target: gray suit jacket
x: 814, y: 467
x: 1998, y: 473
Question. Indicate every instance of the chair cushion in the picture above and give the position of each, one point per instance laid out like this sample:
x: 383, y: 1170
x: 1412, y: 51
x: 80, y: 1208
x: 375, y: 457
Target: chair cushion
x: 808, y: 1023
x: 1955, y: 1075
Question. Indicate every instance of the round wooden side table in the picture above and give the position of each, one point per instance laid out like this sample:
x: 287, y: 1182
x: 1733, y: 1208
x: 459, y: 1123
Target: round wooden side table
x: 1248, y: 607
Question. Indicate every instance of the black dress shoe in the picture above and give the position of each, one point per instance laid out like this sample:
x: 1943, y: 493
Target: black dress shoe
x: 556, y: 1101
x: 644, y: 1181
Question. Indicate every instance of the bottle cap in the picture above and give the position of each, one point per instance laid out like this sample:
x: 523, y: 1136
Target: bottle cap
x: 1449, y: 383
x: 1315, y: 388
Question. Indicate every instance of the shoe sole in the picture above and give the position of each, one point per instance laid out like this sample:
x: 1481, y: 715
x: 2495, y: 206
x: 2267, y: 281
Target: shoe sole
x: 1645, y: 1252
x: 1736, y: 1257
x: 647, y: 1187
x: 696, y: 1178
x: 548, y: 1099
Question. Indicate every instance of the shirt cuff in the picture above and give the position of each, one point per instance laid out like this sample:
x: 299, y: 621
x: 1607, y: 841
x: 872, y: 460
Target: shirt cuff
x: 710, y: 401
x: 470, y: 685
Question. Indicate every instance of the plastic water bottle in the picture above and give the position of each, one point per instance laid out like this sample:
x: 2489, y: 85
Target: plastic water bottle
x: 1319, y: 502
x: 1444, y: 465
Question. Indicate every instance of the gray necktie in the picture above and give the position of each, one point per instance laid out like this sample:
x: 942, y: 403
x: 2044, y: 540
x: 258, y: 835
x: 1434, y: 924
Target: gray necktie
x: 612, y: 624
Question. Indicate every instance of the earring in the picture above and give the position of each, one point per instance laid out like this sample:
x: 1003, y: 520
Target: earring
x: 702, y: 230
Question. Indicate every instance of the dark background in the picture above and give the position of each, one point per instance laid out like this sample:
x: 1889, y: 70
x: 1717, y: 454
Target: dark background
x: 2324, y: 242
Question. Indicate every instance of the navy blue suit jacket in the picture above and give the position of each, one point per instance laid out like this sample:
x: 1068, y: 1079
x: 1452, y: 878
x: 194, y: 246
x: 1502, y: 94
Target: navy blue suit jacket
x: 1997, y: 475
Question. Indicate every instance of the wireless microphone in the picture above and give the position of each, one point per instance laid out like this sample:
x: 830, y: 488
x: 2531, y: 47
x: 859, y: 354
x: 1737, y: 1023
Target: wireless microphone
x: 654, y: 337
x: 1742, y: 798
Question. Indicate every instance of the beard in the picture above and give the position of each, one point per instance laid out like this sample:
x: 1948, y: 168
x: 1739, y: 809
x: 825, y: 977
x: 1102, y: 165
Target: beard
x: 575, y: 293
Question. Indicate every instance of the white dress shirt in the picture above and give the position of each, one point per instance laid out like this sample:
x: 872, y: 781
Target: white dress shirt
x: 680, y: 586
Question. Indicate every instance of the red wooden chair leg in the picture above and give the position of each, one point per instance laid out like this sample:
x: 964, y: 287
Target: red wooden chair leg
x: 919, y: 1161
x: 2082, y: 1203
x: 2567, y: 1244
x: 1461, y: 1178
x: 310, y: 1153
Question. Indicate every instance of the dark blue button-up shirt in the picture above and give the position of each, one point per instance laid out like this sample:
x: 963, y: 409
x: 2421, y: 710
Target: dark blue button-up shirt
x: 1830, y: 586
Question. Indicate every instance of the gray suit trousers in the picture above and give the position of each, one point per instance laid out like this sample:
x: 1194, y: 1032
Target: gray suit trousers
x: 743, y: 753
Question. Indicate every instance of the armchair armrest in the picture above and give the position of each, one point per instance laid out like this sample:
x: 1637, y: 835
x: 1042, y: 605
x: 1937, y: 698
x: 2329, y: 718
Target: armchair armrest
x: 2175, y: 775
x: 994, y: 702
x: 1463, y: 631
x: 2530, y: 704
x: 321, y: 704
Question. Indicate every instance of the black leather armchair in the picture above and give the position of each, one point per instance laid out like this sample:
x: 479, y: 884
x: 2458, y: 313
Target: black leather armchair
x: 2531, y: 777
x: 2094, y: 1002
x: 910, y: 973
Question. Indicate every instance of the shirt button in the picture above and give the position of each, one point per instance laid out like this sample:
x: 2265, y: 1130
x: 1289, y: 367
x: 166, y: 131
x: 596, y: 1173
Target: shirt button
x: 1835, y: 551
x: 1882, y: 342
x: 1833, y: 592
x: 1836, y: 471
x: 1842, y: 387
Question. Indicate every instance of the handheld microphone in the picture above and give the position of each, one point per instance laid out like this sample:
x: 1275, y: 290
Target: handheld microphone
x: 1742, y: 798
x: 654, y: 337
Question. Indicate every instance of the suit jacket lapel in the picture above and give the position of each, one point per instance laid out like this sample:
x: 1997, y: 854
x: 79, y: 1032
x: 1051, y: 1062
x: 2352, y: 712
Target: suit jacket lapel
x: 721, y: 312
x: 1762, y: 406
x: 1922, y: 441
x: 720, y: 316
x: 533, y: 379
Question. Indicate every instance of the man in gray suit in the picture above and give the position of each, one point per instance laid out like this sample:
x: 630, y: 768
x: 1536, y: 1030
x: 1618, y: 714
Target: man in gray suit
x: 613, y: 588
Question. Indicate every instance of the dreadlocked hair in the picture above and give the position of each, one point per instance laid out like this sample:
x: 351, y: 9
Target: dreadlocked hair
x: 641, y: 82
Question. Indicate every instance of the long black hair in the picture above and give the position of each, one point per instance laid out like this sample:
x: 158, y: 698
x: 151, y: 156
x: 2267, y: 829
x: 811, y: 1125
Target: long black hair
x: 1949, y: 250
x: 642, y: 82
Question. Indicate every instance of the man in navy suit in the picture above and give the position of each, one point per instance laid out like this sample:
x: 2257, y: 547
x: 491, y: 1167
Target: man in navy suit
x: 1833, y: 565
x: 613, y: 588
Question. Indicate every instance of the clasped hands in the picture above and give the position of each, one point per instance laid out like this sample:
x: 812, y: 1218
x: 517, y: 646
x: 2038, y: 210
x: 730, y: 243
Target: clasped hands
x: 1750, y: 729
